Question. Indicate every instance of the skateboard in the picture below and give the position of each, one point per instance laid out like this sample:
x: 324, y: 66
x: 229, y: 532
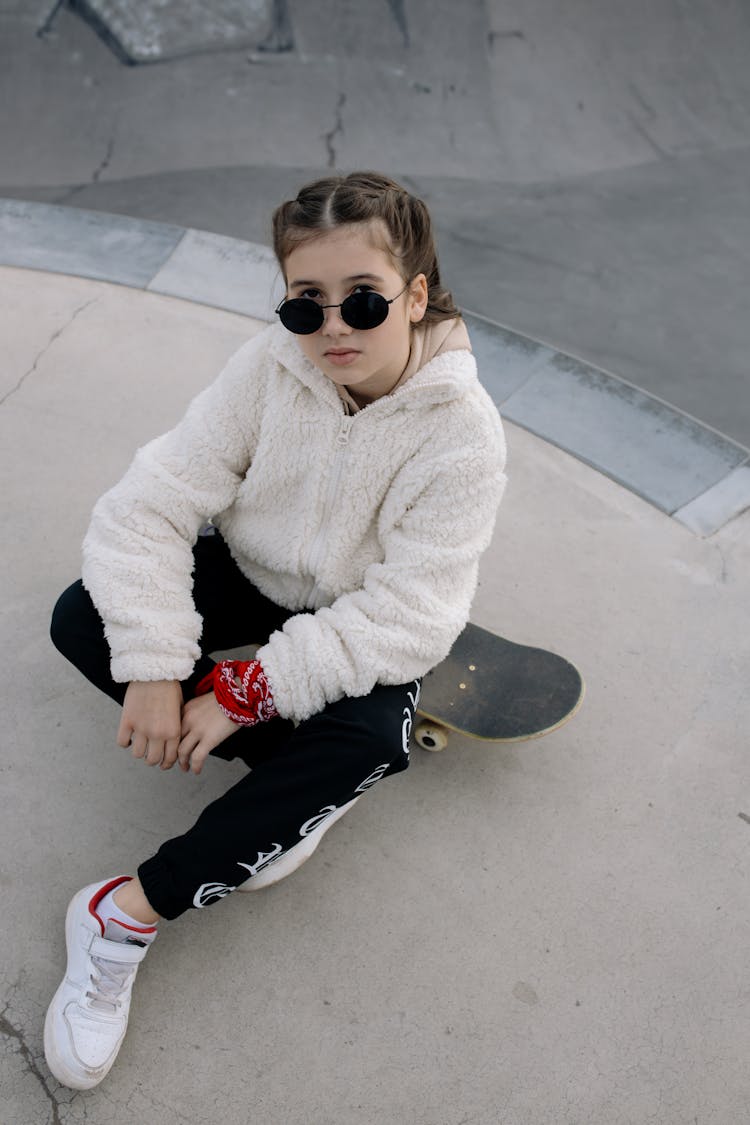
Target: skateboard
x: 495, y: 690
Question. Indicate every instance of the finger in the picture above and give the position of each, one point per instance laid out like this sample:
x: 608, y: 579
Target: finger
x: 170, y: 753
x: 138, y: 745
x: 186, y: 748
x: 124, y: 732
x: 155, y: 751
x: 198, y: 757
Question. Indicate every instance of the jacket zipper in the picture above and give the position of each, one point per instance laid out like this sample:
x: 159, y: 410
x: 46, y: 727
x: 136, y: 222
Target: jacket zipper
x: 334, y: 486
x: 342, y: 440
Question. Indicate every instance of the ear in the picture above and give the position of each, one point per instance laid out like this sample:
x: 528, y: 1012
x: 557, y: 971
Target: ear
x: 418, y: 298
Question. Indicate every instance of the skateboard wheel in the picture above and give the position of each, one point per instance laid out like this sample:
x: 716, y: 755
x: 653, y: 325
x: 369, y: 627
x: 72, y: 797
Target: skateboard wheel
x: 430, y: 737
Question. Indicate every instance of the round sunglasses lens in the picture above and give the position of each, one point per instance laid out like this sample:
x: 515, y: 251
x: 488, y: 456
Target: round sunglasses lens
x: 364, y: 310
x: 301, y: 316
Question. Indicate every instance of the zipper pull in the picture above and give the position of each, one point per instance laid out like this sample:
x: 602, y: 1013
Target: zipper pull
x: 343, y: 434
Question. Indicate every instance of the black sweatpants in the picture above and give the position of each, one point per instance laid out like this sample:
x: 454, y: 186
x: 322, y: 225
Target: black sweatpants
x: 299, y: 775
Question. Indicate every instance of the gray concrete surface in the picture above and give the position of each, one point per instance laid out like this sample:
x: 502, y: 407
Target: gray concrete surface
x: 553, y: 932
x: 550, y: 933
x: 587, y: 165
x: 682, y: 467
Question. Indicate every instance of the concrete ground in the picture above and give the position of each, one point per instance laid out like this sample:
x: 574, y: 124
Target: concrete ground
x: 587, y: 165
x: 547, y: 933
x: 551, y: 932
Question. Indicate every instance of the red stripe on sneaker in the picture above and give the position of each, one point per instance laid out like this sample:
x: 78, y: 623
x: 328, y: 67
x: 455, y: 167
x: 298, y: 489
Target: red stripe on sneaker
x: 97, y: 898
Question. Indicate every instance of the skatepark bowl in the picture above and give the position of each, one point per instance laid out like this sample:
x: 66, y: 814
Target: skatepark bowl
x: 520, y: 935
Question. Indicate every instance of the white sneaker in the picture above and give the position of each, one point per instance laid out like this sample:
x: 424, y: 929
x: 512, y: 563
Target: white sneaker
x: 279, y: 868
x: 88, y: 1017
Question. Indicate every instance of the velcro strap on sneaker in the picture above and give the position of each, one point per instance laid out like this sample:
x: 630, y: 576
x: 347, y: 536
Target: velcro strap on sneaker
x: 122, y: 952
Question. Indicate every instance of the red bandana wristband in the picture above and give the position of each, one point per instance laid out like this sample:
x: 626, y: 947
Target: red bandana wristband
x: 247, y: 702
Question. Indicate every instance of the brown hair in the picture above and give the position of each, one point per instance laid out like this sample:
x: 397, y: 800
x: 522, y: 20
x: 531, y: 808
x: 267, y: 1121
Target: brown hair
x: 365, y: 197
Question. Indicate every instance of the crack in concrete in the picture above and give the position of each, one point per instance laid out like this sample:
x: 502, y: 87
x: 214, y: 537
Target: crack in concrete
x: 55, y: 336
x: 69, y: 194
x: 105, y: 162
x: 10, y: 1032
x: 338, y: 127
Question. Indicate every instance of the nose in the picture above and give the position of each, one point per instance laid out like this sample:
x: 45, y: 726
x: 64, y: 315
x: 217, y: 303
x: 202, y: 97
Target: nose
x: 333, y: 322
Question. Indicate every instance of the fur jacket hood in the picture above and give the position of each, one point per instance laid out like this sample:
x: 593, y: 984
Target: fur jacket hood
x: 371, y: 526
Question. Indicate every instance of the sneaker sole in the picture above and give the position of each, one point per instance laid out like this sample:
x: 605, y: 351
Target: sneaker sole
x: 292, y: 860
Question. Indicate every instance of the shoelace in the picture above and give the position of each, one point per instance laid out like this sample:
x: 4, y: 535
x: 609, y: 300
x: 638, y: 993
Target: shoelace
x: 107, y: 988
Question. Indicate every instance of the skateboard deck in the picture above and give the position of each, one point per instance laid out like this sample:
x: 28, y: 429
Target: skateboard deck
x: 495, y: 690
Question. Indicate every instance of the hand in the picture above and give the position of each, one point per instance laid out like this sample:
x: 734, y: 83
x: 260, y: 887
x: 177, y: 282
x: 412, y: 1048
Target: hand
x: 151, y: 721
x: 204, y: 726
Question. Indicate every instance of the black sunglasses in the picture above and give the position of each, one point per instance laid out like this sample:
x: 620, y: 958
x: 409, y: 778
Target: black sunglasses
x: 303, y: 316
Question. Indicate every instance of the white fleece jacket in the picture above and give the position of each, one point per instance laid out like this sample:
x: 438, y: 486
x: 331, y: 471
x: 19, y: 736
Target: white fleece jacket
x: 371, y: 525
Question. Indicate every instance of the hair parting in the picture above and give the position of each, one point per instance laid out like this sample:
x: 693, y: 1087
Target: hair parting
x: 368, y: 197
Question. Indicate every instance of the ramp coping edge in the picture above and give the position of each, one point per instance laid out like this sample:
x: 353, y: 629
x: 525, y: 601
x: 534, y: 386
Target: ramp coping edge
x: 686, y: 469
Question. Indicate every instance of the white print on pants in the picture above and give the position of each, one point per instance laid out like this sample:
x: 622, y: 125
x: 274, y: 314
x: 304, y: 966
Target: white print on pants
x: 210, y: 892
x: 409, y: 716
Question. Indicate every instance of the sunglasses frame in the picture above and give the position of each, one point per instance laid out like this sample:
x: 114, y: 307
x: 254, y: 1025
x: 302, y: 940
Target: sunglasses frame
x: 352, y: 297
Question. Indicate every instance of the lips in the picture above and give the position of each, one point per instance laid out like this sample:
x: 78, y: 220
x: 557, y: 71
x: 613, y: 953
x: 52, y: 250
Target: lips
x: 341, y: 356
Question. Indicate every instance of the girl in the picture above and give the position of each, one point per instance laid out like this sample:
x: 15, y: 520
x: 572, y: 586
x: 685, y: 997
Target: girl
x: 350, y: 465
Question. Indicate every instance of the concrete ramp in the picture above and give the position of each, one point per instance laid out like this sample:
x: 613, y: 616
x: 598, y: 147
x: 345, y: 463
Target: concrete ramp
x: 564, y: 89
x: 587, y: 163
x: 584, y: 86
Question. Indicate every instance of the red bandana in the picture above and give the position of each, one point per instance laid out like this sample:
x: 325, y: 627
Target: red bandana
x: 247, y: 702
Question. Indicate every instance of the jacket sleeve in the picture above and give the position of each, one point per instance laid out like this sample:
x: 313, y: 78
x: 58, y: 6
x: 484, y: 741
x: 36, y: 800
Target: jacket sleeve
x: 435, y: 525
x: 137, y: 553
